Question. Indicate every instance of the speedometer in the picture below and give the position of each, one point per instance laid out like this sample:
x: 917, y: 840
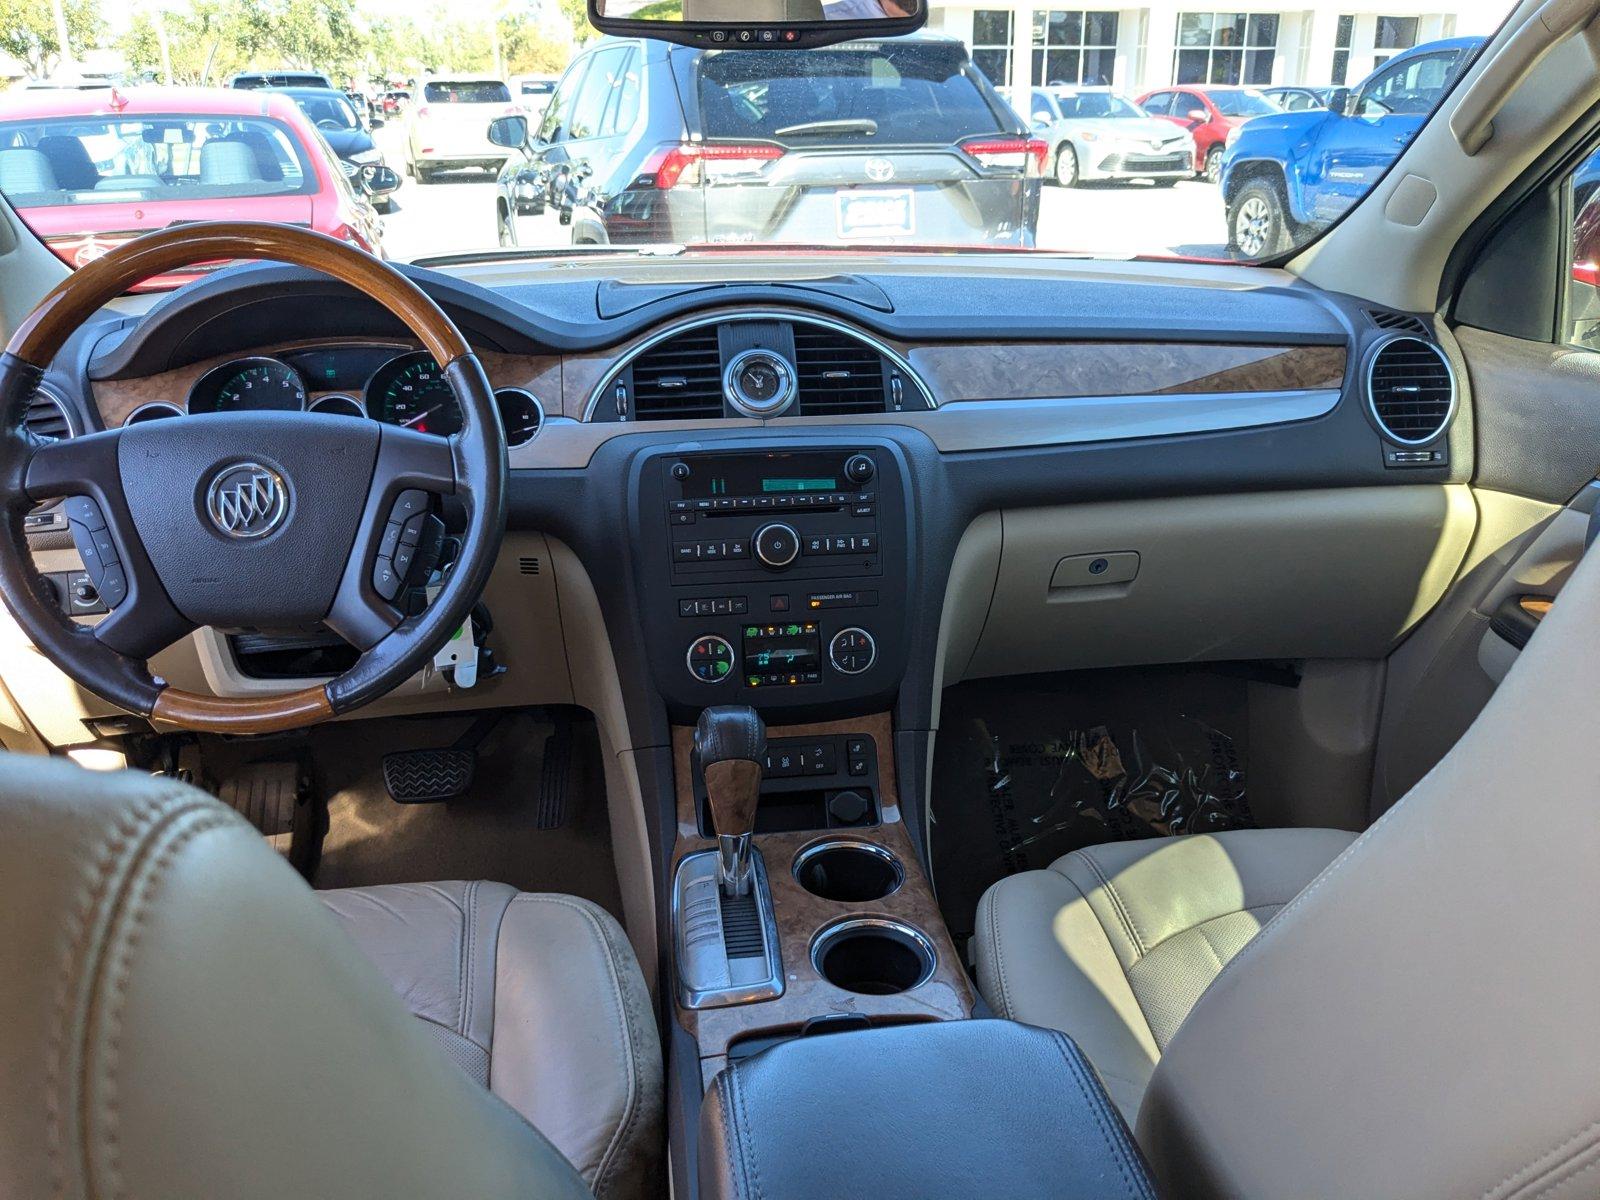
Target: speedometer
x: 412, y: 391
x: 248, y: 385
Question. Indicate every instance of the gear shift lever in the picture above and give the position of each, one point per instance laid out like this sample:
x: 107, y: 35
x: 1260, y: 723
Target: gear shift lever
x: 731, y: 744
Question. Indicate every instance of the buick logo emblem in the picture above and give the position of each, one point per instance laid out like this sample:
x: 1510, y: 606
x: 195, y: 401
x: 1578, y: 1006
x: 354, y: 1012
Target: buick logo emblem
x: 247, y: 500
x: 879, y: 170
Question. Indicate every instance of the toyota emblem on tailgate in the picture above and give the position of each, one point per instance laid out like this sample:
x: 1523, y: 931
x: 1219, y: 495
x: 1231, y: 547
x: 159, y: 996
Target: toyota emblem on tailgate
x: 247, y: 500
x: 879, y: 170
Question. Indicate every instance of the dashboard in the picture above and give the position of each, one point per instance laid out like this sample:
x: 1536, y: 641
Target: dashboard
x: 379, y: 382
x: 826, y: 493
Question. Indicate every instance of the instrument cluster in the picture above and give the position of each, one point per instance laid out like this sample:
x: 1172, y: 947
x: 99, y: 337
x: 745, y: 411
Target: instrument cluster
x: 406, y: 389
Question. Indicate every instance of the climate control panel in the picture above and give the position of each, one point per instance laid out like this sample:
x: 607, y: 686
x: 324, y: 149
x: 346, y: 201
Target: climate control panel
x: 779, y: 574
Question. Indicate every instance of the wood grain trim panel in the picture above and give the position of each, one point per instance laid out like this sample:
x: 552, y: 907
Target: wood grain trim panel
x: 947, y: 996
x: 238, y: 714
x: 1065, y: 370
x: 117, y: 398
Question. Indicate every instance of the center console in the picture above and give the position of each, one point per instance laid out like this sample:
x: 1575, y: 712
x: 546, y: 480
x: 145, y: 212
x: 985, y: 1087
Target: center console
x: 775, y: 577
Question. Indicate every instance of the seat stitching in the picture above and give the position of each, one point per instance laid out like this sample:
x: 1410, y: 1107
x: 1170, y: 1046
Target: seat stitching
x: 1567, y: 1176
x: 1116, y: 903
x: 1137, y: 1002
x: 1096, y: 1103
x: 105, y: 857
x: 464, y: 989
x: 631, y: 1106
x: 1200, y: 925
x: 1586, y: 1135
x: 730, y: 1136
x: 999, y: 959
x: 138, y: 911
x: 749, y: 1155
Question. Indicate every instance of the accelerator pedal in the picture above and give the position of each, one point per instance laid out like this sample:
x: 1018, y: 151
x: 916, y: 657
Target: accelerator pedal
x: 276, y: 796
x: 554, y: 774
x: 429, y: 776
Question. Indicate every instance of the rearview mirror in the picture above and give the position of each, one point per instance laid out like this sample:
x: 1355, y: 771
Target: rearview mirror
x: 509, y: 133
x: 757, y: 24
x: 379, y: 180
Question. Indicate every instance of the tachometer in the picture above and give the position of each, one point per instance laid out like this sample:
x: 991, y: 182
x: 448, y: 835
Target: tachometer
x: 248, y: 385
x: 412, y: 391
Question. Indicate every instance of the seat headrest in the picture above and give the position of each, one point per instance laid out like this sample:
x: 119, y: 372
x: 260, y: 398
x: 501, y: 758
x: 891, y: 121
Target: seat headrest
x: 25, y: 171
x: 179, y: 1017
x: 225, y: 162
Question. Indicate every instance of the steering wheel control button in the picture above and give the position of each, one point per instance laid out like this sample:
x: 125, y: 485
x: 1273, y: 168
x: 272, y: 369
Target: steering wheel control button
x: 858, y: 468
x: 390, y: 539
x: 113, y: 585
x: 247, y: 500
x: 776, y: 545
x: 409, y: 503
x: 82, y: 510
x: 710, y: 659
x: 385, y: 580
x: 852, y: 651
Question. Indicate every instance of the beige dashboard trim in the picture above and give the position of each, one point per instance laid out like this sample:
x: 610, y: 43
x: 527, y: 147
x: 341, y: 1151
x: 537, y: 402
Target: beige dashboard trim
x: 972, y: 425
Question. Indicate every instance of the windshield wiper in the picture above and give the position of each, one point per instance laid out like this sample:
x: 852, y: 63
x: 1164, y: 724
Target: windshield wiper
x: 864, y: 125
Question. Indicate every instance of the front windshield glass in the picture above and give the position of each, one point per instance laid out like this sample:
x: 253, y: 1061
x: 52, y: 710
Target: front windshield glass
x: 1239, y: 103
x: 1088, y: 105
x: 424, y: 132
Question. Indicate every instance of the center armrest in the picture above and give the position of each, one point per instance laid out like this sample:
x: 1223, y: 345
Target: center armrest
x: 954, y: 1109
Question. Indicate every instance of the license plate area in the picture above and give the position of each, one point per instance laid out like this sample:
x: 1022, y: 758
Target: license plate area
x: 876, y: 213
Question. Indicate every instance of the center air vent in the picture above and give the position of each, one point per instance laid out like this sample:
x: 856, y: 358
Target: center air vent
x: 838, y: 373
x: 1387, y: 318
x: 1411, y: 389
x: 47, y: 415
x: 680, y: 379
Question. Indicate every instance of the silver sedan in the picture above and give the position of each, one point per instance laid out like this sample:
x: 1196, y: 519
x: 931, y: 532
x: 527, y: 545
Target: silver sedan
x: 1095, y: 133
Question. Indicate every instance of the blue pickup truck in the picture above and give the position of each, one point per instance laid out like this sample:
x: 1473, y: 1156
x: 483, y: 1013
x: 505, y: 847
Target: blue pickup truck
x: 1287, y: 176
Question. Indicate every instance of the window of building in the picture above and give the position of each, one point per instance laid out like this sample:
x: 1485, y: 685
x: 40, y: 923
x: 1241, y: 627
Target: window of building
x: 1226, y: 47
x: 991, y: 43
x: 1072, y: 46
x: 1342, y: 37
x: 1393, y: 35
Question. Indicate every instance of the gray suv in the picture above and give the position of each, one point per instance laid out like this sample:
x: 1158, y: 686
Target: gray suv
x: 899, y: 141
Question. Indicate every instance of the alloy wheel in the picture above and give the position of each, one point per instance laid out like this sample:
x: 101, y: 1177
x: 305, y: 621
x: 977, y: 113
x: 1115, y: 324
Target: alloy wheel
x: 1066, y: 167
x: 1253, y: 227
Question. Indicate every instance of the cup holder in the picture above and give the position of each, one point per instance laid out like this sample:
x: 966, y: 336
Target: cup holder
x: 848, y: 871
x: 873, y: 956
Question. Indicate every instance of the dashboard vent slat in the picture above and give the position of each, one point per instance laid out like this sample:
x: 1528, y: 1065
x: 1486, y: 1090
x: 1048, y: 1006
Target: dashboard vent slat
x: 680, y: 379
x: 1385, y: 318
x: 837, y: 374
x: 1411, y: 390
x: 47, y: 416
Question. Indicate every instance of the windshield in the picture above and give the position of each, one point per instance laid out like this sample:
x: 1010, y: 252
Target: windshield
x: 1114, y: 133
x: 1096, y: 104
x: 332, y: 111
x: 1238, y: 103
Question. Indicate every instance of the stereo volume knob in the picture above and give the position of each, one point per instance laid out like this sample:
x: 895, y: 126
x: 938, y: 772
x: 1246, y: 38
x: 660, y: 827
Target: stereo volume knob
x: 858, y: 468
x: 777, y: 544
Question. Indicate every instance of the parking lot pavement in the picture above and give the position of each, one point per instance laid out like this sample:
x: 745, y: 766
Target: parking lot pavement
x: 457, y: 213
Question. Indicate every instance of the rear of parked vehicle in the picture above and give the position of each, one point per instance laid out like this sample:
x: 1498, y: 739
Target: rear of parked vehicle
x: 448, y: 126
x: 900, y: 141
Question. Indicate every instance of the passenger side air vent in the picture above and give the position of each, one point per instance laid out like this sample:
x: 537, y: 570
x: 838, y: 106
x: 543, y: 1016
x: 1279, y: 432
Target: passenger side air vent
x: 1411, y: 389
x: 1400, y: 322
x: 47, y: 415
x: 837, y: 373
x: 680, y: 379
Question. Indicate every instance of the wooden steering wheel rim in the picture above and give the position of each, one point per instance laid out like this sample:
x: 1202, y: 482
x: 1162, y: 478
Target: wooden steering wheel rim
x: 73, y: 301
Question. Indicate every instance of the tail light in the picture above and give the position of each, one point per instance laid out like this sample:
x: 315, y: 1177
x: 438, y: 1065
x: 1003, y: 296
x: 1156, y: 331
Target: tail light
x: 692, y: 165
x: 1017, y: 153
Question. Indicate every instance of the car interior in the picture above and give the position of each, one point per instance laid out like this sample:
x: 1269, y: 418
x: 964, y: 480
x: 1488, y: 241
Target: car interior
x: 844, y: 721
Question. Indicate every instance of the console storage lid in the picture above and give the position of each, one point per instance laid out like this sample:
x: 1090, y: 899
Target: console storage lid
x: 939, y: 1111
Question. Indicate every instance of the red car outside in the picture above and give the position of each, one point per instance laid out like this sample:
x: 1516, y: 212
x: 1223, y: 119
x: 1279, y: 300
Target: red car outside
x: 1210, y: 114
x: 88, y: 170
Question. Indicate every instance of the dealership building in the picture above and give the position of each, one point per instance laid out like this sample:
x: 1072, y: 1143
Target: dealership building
x: 1136, y: 49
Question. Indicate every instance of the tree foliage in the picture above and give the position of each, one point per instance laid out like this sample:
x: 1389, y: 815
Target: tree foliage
x: 28, y: 31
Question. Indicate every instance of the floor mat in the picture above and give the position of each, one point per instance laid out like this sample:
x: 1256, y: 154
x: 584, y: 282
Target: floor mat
x: 490, y: 832
x: 1028, y: 769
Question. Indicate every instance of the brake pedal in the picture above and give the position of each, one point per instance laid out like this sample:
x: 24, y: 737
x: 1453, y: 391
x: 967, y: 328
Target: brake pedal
x: 276, y: 797
x: 428, y: 776
x: 553, y: 777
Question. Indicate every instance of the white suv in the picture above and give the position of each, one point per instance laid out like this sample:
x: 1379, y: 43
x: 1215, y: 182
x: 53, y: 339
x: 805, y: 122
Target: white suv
x: 447, y: 125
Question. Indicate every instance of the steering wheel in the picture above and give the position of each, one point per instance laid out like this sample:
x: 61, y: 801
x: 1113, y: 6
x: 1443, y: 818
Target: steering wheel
x: 329, y: 123
x: 268, y: 520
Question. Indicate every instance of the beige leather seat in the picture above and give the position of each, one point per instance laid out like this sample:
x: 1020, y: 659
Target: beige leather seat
x: 1114, y: 944
x: 181, y: 1017
x: 1419, y: 1021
